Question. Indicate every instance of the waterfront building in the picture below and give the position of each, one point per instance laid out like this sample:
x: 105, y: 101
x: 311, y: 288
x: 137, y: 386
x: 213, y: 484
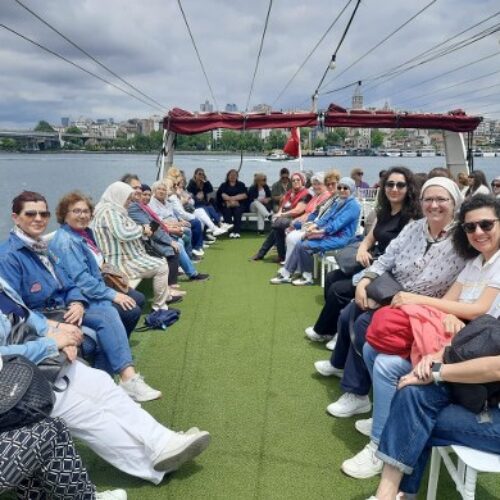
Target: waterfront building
x: 206, y: 107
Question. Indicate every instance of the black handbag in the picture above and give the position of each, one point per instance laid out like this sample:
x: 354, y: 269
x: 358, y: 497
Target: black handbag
x: 346, y: 259
x: 50, y: 367
x: 26, y: 396
x: 383, y: 288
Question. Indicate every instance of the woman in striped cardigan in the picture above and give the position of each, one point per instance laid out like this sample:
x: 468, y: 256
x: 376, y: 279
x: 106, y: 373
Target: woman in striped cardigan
x: 120, y: 240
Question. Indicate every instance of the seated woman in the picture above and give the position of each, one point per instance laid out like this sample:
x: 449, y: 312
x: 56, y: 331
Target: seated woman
x: 495, y: 186
x: 120, y: 240
x: 425, y: 411
x: 260, y: 201
x: 171, y: 247
x: 145, y: 194
x: 335, y: 228
x: 292, y: 205
x: 176, y: 227
x: 201, y: 189
x: 36, y: 272
x: 325, y: 190
x: 187, y: 200
x: 96, y: 410
x: 477, y: 184
x: 231, y: 197
x: 423, y: 260
x: 75, y: 246
x: 31, y: 465
x: 397, y: 204
x: 475, y: 292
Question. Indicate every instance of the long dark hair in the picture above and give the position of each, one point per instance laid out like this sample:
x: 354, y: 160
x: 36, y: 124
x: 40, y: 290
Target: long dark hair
x: 460, y: 240
x: 410, y: 209
x: 479, y: 180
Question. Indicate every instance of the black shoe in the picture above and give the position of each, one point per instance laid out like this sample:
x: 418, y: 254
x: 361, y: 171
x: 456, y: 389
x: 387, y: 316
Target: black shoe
x: 199, y: 277
x: 256, y: 257
x: 195, y: 258
x: 173, y: 300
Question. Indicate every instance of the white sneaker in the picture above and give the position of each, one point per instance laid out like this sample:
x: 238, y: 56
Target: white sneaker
x: 364, y: 426
x: 325, y: 368
x: 302, y: 282
x: 237, y: 235
x: 279, y: 280
x: 218, y: 231
x: 349, y: 404
x: 138, y: 390
x: 111, y: 495
x: 316, y: 337
x: 365, y: 464
x: 226, y: 226
x: 332, y: 343
x: 231, y: 235
x: 198, y: 253
x: 181, y: 448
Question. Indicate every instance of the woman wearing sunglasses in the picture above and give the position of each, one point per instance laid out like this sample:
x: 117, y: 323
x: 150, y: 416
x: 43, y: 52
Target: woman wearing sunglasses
x: 427, y: 411
x: 495, y: 186
x: 44, y: 284
x: 397, y: 204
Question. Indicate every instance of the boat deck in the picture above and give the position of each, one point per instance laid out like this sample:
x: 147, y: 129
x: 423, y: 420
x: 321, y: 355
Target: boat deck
x: 237, y: 364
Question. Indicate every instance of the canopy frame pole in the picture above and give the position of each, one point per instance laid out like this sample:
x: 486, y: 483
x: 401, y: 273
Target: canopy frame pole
x: 167, y: 153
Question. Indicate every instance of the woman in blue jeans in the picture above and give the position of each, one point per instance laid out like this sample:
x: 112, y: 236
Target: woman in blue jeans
x: 36, y: 273
x: 476, y: 291
x: 424, y: 416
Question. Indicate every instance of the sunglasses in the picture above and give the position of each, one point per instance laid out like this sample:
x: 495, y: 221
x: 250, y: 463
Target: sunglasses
x: 495, y: 184
x: 44, y: 214
x: 398, y: 185
x: 359, y: 173
x: 343, y: 188
x: 485, y: 225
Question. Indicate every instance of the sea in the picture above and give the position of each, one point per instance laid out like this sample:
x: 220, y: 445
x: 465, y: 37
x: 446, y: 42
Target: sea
x: 55, y: 174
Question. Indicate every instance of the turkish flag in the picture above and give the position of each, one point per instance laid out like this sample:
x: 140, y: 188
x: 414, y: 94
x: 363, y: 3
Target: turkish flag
x: 292, y: 147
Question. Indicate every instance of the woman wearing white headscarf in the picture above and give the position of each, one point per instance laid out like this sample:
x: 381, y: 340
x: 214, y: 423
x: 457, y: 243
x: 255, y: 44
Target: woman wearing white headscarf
x: 119, y: 239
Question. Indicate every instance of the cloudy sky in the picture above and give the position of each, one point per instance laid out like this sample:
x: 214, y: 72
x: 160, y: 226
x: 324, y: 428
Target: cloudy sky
x: 148, y: 45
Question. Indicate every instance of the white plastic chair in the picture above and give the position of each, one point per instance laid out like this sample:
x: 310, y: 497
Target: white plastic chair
x: 464, y: 472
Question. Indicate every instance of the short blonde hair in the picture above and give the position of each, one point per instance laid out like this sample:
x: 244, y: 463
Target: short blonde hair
x: 332, y: 176
x: 259, y: 176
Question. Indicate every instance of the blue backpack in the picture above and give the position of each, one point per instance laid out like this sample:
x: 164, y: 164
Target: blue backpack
x: 160, y: 320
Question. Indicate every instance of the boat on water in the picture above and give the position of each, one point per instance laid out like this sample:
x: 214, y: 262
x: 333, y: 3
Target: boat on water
x: 392, y: 152
x: 426, y: 152
x: 408, y: 153
x: 278, y: 155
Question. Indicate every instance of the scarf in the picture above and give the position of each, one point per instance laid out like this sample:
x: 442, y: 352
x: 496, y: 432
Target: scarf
x: 85, y: 234
x: 115, y: 197
x: 153, y: 215
x: 294, y: 198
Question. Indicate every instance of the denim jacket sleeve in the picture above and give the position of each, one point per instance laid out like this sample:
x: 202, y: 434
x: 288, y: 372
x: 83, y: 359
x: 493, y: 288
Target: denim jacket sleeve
x: 335, y: 220
x: 74, y: 259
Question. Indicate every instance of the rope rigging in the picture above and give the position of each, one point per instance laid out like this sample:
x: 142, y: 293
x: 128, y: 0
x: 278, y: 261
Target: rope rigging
x: 81, y: 68
x: 341, y: 41
x: 311, y: 53
x: 259, y: 54
x: 93, y: 58
x: 399, y: 28
x: 198, y: 55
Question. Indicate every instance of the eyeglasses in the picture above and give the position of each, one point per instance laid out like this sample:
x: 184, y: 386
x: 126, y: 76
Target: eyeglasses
x: 80, y: 211
x: 398, y: 185
x: 328, y: 184
x: 495, y: 185
x: 44, y: 214
x: 297, y: 180
x: 438, y: 201
x: 343, y: 188
x: 359, y: 173
x: 485, y: 225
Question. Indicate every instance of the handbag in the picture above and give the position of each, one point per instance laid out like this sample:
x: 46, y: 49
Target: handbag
x: 346, y: 259
x: 25, y: 394
x: 50, y: 367
x: 114, y: 278
x: 383, y: 288
x: 282, y: 222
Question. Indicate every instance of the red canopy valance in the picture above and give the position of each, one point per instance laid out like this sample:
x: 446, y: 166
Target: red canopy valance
x: 185, y: 122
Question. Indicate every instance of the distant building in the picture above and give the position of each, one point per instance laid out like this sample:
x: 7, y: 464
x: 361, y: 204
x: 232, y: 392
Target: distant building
x: 65, y: 121
x: 262, y: 108
x: 357, y: 98
x: 231, y: 108
x: 206, y: 107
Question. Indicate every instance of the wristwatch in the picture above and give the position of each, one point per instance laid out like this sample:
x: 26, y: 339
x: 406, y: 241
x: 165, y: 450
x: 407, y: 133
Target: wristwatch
x: 436, y: 372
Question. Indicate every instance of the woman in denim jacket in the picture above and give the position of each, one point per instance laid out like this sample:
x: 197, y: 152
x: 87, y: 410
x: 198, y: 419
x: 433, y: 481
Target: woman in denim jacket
x: 33, y: 270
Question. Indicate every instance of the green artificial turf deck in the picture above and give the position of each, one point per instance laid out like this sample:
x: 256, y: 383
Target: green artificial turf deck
x: 237, y: 364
